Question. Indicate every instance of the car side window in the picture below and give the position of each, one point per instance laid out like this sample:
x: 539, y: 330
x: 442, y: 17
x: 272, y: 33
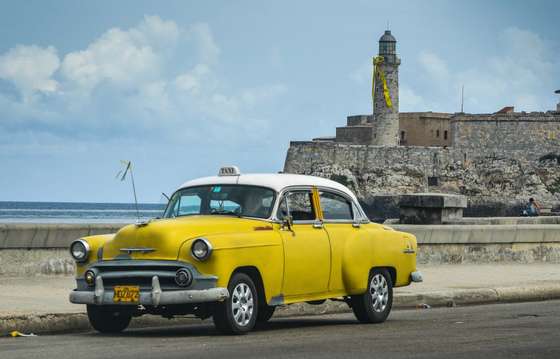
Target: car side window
x: 335, y: 207
x: 187, y: 204
x: 299, y: 205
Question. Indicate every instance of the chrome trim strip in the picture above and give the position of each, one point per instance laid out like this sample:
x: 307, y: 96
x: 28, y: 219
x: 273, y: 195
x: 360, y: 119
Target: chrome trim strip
x: 137, y: 249
x: 318, y: 224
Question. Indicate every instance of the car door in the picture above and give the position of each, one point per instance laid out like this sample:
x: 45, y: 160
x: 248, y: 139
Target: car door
x: 339, y: 221
x: 306, y: 245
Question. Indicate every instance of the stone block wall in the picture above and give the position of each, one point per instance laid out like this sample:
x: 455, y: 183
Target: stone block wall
x: 536, y: 133
x: 355, y: 134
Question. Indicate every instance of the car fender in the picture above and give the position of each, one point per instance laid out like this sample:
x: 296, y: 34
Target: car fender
x: 260, y: 249
x: 377, y: 246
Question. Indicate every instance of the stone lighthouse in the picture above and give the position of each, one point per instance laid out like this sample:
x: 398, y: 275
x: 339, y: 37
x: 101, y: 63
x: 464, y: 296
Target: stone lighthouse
x: 386, y: 92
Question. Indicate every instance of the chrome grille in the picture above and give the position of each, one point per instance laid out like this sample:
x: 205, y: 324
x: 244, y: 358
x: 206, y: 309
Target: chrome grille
x: 140, y: 273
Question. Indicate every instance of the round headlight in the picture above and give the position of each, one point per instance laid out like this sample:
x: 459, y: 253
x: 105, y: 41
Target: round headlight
x: 79, y: 249
x: 183, y: 277
x: 89, y: 276
x: 201, y: 249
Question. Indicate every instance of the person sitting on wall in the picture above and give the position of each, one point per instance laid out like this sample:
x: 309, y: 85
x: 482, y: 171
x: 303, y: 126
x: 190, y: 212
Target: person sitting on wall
x: 533, y: 208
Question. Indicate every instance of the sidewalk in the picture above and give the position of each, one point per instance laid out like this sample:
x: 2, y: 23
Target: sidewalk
x: 41, y: 303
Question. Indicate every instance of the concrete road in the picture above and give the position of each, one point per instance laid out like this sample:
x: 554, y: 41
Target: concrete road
x: 521, y: 330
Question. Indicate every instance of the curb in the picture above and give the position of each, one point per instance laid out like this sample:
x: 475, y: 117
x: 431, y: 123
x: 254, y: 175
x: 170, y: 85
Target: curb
x: 72, y: 322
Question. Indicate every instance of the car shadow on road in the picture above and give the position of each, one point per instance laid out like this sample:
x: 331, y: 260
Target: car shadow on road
x: 206, y: 328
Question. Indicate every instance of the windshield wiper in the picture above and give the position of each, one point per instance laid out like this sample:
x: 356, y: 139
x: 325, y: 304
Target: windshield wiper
x: 227, y: 213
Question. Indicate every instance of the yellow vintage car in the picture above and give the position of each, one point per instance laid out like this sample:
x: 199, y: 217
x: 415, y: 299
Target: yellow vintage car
x: 235, y: 246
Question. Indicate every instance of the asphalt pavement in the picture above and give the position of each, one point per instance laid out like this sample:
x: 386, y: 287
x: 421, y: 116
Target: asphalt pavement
x: 516, y: 330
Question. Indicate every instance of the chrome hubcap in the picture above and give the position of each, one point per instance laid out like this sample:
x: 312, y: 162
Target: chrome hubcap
x: 242, y: 304
x: 379, y: 292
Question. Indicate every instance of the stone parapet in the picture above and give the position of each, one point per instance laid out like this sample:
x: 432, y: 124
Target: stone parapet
x: 433, y: 200
x: 482, y: 234
x: 29, y: 236
x: 431, y: 208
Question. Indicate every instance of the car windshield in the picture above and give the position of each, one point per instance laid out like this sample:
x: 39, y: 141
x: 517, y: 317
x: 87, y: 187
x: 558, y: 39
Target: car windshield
x: 235, y: 200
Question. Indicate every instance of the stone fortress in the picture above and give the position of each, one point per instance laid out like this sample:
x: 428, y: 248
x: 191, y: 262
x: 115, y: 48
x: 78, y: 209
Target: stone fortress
x: 497, y: 160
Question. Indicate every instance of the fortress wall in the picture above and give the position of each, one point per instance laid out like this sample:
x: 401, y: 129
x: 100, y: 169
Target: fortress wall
x: 535, y: 133
x: 497, y: 182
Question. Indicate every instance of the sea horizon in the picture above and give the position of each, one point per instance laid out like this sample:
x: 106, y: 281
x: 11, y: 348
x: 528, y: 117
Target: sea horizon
x: 77, y: 212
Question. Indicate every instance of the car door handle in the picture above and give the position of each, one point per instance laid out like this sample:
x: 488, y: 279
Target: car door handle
x: 318, y: 225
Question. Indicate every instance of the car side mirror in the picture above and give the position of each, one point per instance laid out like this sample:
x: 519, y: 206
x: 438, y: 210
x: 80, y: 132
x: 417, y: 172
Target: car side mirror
x: 287, y: 222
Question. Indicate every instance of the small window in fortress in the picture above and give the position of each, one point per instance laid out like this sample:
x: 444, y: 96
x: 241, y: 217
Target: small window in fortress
x: 433, y: 181
x: 403, y: 135
x: 437, y: 133
x: 445, y: 135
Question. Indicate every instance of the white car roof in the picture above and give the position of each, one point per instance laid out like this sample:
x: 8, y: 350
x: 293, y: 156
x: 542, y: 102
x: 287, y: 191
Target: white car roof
x: 276, y: 181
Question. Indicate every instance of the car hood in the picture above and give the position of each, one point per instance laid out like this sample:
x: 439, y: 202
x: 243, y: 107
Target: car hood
x: 162, y: 239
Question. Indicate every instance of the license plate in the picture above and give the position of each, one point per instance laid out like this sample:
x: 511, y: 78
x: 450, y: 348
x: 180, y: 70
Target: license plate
x: 126, y: 294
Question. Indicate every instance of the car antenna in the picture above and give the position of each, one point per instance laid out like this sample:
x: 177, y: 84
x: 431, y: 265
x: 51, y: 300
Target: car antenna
x: 121, y: 175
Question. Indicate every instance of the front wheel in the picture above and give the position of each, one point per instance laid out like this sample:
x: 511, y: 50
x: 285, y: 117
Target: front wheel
x: 108, y: 319
x: 375, y: 304
x: 238, y: 313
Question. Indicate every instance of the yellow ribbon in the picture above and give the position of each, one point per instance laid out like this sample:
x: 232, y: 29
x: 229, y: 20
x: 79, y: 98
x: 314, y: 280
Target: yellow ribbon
x: 377, y: 61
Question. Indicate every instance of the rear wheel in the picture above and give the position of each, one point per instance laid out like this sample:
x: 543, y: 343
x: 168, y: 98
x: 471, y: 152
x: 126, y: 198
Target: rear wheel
x: 375, y: 304
x: 108, y: 319
x: 238, y: 313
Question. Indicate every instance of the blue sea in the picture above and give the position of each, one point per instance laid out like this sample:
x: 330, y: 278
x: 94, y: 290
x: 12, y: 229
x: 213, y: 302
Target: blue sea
x: 75, y: 212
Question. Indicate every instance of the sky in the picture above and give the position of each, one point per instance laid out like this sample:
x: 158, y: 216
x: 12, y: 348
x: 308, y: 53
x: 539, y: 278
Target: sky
x: 182, y: 88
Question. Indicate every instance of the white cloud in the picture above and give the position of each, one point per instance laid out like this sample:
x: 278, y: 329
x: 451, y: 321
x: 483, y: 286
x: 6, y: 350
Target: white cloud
x: 129, y: 81
x: 409, y: 100
x: 122, y: 57
x: 30, y: 69
x: 207, y: 47
x: 520, y: 73
x: 119, y: 57
x: 193, y: 80
x: 434, y: 66
x: 157, y: 33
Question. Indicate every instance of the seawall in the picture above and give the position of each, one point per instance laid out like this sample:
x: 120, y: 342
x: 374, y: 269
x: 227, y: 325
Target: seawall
x: 31, y: 249
x: 41, y: 249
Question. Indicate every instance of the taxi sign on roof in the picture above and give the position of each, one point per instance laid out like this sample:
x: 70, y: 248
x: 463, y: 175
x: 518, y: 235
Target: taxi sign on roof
x: 229, y: 171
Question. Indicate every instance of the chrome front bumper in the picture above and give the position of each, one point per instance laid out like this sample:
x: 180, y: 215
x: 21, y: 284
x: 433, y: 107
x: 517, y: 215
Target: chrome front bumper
x: 155, y: 297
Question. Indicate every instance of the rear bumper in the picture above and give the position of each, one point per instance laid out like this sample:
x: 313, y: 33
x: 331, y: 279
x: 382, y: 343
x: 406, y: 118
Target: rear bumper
x: 154, y: 297
x: 416, y: 277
